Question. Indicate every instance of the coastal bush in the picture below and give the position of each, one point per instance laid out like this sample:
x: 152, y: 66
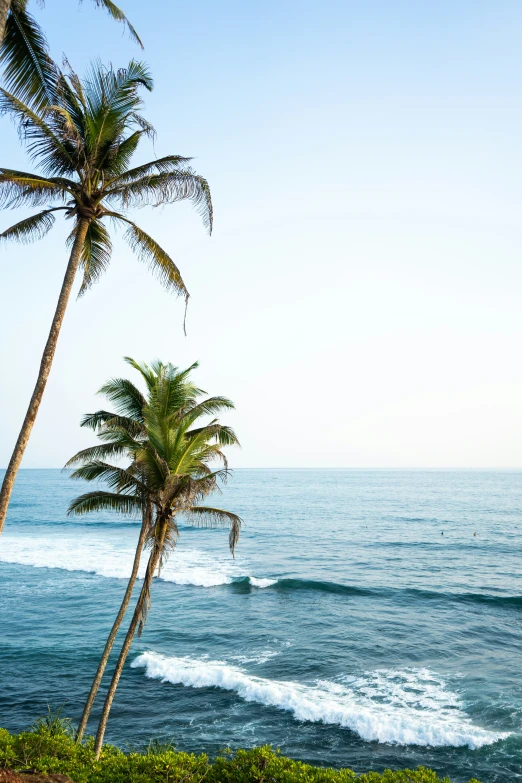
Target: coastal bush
x: 51, y: 749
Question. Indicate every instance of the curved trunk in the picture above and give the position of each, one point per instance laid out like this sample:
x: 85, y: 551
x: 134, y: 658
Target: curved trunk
x: 114, y: 630
x: 5, y: 5
x: 45, y: 367
x: 136, y: 617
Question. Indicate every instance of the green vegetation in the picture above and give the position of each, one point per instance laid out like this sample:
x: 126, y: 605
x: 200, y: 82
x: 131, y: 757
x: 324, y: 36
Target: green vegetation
x: 169, y: 456
x: 51, y: 749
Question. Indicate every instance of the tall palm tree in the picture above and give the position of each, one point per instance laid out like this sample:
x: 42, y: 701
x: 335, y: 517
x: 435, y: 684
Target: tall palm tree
x: 28, y: 70
x: 168, y: 473
x: 84, y: 143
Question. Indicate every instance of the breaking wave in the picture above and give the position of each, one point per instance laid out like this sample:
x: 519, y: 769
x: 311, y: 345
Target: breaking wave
x: 408, y: 707
x: 112, y: 556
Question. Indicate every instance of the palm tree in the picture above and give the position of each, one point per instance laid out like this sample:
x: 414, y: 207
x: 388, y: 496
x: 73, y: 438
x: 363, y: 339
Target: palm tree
x: 24, y: 53
x: 167, y: 475
x: 84, y: 143
x: 121, y: 432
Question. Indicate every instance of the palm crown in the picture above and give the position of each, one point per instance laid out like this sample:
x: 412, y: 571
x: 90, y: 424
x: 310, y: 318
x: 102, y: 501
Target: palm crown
x: 170, y: 453
x: 84, y: 142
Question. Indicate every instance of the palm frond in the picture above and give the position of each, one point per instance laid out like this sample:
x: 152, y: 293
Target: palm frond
x: 147, y: 373
x: 102, y: 452
x: 158, y: 166
x: 158, y: 260
x: 120, y: 154
x: 96, y: 254
x: 112, y: 102
x: 19, y: 188
x: 57, y: 157
x: 29, y: 72
x: 205, y: 516
x: 105, y: 501
x: 119, y: 479
x: 209, y: 407
x: 32, y: 228
x: 127, y: 398
x: 117, y: 14
x: 224, y: 435
x: 166, y: 188
x: 106, y: 421
x: 95, y: 420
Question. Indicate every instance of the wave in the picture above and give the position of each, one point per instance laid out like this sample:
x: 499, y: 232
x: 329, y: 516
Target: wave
x: 262, y: 583
x: 284, y: 584
x: 409, y: 707
x: 112, y: 556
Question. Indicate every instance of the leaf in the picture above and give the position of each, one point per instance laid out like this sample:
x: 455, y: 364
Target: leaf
x: 213, y: 517
x: 105, y: 501
x: 31, y: 229
x: 19, y: 188
x: 96, y: 254
x: 148, y: 251
x: 166, y: 188
x: 29, y: 71
x: 117, y: 14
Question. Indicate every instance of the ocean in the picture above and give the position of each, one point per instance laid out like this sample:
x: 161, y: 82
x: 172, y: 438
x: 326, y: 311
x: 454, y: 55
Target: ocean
x: 370, y: 619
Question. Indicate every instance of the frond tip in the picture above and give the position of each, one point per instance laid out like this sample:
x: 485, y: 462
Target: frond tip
x: 159, y: 262
x: 118, y: 15
x: 205, y: 516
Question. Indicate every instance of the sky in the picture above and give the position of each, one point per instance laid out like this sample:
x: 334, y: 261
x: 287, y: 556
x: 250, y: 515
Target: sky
x: 359, y: 299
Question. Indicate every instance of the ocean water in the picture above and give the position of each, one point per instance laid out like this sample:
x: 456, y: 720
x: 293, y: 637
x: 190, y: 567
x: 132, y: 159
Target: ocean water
x: 370, y: 619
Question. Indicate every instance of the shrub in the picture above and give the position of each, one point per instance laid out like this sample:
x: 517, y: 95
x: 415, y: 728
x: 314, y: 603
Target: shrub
x: 50, y: 748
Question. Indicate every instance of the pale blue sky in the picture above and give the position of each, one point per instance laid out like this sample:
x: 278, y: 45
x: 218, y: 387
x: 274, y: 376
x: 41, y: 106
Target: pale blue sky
x: 360, y: 297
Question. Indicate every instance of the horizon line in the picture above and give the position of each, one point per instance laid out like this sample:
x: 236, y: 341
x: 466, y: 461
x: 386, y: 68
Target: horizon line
x: 359, y: 468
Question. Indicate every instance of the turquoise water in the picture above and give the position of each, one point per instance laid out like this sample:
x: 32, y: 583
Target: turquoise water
x: 361, y: 624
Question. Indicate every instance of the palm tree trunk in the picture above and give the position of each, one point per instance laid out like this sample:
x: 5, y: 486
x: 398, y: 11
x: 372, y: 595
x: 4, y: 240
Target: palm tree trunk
x: 114, y: 630
x: 45, y: 368
x: 145, y: 590
x: 5, y: 5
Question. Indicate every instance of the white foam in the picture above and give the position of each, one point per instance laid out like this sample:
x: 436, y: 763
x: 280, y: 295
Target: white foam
x: 261, y: 582
x: 411, y: 707
x: 111, y: 555
x: 256, y: 657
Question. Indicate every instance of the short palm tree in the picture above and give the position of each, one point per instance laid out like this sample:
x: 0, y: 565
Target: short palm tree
x: 121, y: 432
x: 28, y: 70
x: 168, y: 473
x: 84, y: 143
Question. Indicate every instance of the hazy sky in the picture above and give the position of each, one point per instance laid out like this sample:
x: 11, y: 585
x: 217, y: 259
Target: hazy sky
x: 360, y: 297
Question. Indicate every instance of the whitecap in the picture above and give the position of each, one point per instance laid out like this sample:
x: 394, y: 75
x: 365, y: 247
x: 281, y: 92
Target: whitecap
x: 261, y: 657
x: 410, y: 707
x: 112, y: 556
x: 261, y: 582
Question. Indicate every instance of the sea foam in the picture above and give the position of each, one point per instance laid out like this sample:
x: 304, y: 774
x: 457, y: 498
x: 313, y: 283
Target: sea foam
x: 112, y: 556
x: 261, y: 582
x: 409, y: 707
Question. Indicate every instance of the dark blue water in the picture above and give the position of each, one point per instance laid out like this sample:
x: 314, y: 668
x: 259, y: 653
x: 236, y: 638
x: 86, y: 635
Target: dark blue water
x: 348, y: 631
